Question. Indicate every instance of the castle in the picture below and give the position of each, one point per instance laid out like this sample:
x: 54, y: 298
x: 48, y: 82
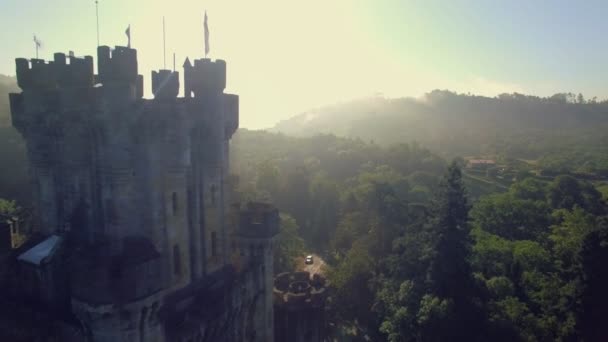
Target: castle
x: 138, y: 237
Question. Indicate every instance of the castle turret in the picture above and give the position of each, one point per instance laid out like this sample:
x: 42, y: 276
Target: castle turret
x: 165, y: 84
x: 118, y: 69
x: 258, y: 226
x: 299, y: 307
x: 204, y: 77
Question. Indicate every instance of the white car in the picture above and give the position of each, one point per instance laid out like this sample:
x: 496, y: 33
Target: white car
x: 308, y: 260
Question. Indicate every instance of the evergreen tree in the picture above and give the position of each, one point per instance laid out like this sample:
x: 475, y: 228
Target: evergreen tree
x: 594, y: 298
x: 450, y: 277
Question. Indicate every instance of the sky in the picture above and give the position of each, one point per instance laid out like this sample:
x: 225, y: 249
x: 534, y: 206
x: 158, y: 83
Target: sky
x: 286, y: 57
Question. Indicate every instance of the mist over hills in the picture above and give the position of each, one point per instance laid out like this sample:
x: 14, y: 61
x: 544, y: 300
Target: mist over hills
x: 512, y: 125
x: 561, y: 132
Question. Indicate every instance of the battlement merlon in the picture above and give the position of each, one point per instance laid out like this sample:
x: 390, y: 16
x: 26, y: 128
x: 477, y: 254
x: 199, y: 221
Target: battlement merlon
x: 38, y: 74
x: 258, y: 221
x: 204, y: 77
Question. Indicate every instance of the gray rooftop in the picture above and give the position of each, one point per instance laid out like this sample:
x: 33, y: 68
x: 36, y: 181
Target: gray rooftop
x: 41, y: 251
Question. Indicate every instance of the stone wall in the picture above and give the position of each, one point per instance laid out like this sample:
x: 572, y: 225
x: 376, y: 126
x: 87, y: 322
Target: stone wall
x: 299, y: 307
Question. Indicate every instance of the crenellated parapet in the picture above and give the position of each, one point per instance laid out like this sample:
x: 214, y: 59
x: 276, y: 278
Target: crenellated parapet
x: 300, y: 290
x: 258, y: 221
x: 118, y: 65
x: 165, y: 84
x: 58, y: 73
x: 299, y: 307
x: 204, y: 77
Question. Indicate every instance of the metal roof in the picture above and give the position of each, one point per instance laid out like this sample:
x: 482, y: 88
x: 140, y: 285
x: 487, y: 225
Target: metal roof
x: 37, y: 254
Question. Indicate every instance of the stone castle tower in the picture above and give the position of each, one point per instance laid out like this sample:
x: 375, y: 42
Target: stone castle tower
x: 135, y: 192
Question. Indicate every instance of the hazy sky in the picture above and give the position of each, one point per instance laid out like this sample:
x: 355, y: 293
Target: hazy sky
x: 285, y: 57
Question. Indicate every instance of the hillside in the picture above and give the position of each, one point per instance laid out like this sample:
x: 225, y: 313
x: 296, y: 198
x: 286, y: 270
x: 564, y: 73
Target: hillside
x: 510, y: 125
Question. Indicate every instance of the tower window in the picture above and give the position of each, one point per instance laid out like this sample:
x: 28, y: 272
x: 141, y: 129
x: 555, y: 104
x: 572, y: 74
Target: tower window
x: 213, y: 244
x: 174, y: 203
x: 177, y: 263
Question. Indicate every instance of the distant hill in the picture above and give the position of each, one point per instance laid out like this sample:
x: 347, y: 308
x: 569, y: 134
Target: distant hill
x: 513, y: 125
x: 13, y: 164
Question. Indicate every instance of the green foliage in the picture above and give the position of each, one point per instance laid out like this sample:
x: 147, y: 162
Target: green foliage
x: 351, y: 226
x: 543, y: 259
x: 432, y: 317
x: 560, y: 133
x: 568, y: 235
x: 7, y: 207
x: 289, y: 245
x: 509, y: 216
x: 450, y: 271
x: 594, y: 297
x: 529, y: 189
x: 350, y: 277
x: 397, y: 304
x: 565, y: 192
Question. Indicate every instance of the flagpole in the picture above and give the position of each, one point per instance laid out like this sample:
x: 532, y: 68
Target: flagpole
x: 164, y: 46
x: 97, y: 16
x: 206, y: 33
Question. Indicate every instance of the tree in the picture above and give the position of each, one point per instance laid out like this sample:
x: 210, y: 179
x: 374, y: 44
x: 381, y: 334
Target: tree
x: 450, y: 270
x: 289, y: 245
x: 350, y: 278
x: 7, y: 207
x: 580, y: 99
x: 452, y: 286
x: 594, y: 298
x: 566, y: 191
x: 268, y: 178
x: 510, y: 217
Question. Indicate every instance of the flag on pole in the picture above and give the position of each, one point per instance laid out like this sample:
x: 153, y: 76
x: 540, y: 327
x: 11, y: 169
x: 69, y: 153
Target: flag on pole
x: 128, y: 33
x: 206, y: 36
x: 37, y: 42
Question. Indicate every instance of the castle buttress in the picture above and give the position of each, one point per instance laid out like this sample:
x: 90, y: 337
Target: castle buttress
x: 132, y: 199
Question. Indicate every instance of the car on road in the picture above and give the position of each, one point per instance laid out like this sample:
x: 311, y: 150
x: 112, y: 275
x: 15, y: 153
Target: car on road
x: 308, y: 260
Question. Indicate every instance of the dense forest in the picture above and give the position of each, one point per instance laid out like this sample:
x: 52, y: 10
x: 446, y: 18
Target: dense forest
x: 562, y: 132
x: 414, y: 257
x: 419, y: 249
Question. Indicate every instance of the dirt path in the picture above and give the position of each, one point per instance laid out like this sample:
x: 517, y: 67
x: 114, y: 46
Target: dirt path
x: 316, y: 267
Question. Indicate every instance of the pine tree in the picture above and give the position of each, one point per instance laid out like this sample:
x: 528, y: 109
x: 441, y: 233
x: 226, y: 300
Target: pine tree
x: 450, y: 273
x: 594, y: 297
x: 450, y: 276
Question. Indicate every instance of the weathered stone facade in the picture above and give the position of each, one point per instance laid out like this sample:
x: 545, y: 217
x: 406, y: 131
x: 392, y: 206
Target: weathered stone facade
x: 137, y: 188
